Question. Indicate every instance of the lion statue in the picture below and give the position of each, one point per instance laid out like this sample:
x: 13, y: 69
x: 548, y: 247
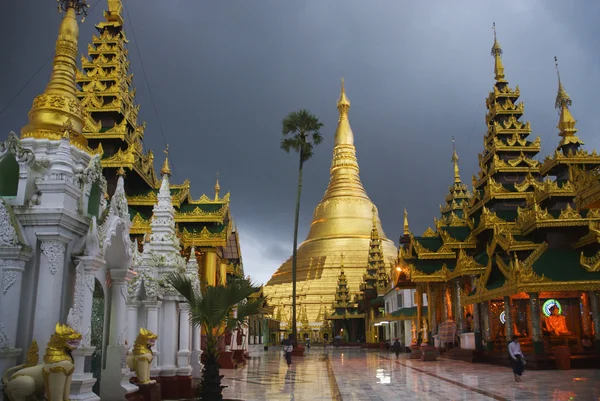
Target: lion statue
x: 141, y: 356
x: 53, y: 377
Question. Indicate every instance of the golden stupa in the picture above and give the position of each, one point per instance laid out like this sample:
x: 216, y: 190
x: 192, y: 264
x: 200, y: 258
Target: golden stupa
x: 341, y: 225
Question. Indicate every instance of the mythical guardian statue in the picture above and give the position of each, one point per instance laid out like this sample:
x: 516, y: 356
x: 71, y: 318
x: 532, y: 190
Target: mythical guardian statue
x: 141, y: 356
x: 53, y: 377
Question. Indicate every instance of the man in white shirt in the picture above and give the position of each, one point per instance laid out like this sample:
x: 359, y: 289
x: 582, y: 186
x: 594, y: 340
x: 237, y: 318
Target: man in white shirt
x: 517, y: 360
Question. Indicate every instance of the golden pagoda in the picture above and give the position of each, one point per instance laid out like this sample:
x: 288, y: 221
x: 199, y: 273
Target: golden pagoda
x: 341, y: 224
x: 110, y: 123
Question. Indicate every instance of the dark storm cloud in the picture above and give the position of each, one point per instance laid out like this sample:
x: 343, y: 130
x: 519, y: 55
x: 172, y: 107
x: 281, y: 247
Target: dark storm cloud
x: 224, y: 74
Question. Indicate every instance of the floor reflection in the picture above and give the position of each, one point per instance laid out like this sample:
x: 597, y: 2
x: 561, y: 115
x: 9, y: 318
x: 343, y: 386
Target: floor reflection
x: 372, y: 375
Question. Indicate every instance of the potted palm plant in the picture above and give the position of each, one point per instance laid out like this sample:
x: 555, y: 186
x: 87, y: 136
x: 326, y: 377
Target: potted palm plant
x: 218, y: 310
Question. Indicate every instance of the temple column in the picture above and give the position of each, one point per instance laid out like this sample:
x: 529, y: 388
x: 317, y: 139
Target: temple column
x: 133, y: 322
x: 444, y: 303
x: 595, y: 306
x: 10, y: 302
x: 586, y: 322
x: 508, y: 323
x: 458, y: 312
x: 419, y: 295
x: 196, y: 353
x: 115, y: 375
x: 223, y: 273
x: 81, y: 320
x: 152, y: 308
x: 487, y: 331
x: 49, y: 290
x: 432, y: 309
x: 477, y: 326
x: 210, y: 267
x: 536, y: 324
x: 168, y: 333
x: 183, y: 355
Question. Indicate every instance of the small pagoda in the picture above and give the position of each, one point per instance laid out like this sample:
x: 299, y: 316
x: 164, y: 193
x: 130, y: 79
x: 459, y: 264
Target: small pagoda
x: 347, y: 321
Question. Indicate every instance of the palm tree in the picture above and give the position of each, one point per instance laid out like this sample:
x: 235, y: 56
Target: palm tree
x: 212, y: 308
x: 303, y: 130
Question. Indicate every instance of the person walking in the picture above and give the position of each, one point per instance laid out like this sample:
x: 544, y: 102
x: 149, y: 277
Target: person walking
x: 397, y: 347
x: 517, y: 360
x: 288, y: 348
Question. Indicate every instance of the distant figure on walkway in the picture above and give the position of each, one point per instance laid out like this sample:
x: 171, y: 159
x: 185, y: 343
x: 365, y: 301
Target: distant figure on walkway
x: 288, y: 348
x: 397, y: 347
x: 517, y: 361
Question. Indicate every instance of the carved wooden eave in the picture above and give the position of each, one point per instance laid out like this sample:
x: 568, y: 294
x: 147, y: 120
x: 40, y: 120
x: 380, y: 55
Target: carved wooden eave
x: 514, y: 143
x: 465, y: 266
x: 592, y: 237
x: 488, y: 220
x: 429, y: 233
x: 204, y: 199
x: 203, y: 238
x: 536, y: 217
x: 417, y: 276
x: 587, y: 187
x: 452, y: 243
x: 580, y: 157
x: 504, y: 238
x: 443, y: 253
x: 550, y: 189
x: 591, y: 264
x: 139, y: 225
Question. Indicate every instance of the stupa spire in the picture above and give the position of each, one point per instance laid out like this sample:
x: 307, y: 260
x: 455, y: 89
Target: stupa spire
x: 166, y: 169
x: 58, y: 106
x: 344, y: 173
x: 566, y: 122
x: 455, y: 160
x: 217, y: 187
x: 406, y: 229
x: 497, y: 54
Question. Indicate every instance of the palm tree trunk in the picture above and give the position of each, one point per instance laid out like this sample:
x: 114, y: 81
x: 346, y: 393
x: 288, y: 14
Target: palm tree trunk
x: 294, y: 254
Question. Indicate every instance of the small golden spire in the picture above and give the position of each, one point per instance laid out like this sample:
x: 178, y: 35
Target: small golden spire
x: 497, y: 54
x: 566, y: 122
x: 455, y: 162
x: 217, y: 187
x: 343, y: 103
x: 121, y: 172
x: 59, y: 105
x: 374, y: 217
x: 342, y: 264
x: 406, y: 229
x: 166, y: 170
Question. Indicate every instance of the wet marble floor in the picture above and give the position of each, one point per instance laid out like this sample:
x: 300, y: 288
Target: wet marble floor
x: 356, y: 374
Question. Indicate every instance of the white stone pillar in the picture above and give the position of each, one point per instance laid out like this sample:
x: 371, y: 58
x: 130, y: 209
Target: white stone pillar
x: 11, y: 274
x: 195, y: 359
x: 49, y: 287
x: 152, y: 308
x: 82, y: 381
x: 133, y: 328
x: 183, y: 355
x: 115, y: 375
x: 168, y: 335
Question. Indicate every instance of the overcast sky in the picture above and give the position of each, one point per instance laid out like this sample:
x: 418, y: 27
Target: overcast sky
x: 224, y: 74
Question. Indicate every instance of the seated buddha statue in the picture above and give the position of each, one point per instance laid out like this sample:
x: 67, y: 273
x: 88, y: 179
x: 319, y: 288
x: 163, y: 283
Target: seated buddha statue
x: 556, y: 324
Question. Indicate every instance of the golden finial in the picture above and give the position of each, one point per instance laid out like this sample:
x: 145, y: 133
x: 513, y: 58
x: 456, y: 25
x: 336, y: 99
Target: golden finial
x: 166, y: 170
x: 121, y: 172
x: 406, y: 229
x: 59, y: 105
x: 217, y: 187
x: 562, y: 98
x: 455, y: 162
x: 343, y: 104
x: 497, y: 54
x: 566, y: 122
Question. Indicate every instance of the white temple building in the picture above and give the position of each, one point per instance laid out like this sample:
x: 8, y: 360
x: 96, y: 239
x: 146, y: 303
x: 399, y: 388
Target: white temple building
x: 66, y: 254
